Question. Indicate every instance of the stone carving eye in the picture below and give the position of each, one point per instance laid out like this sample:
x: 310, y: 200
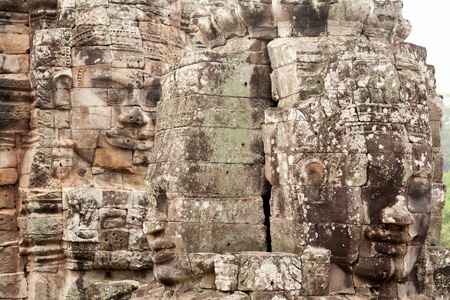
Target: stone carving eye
x: 418, y: 188
x: 419, y: 195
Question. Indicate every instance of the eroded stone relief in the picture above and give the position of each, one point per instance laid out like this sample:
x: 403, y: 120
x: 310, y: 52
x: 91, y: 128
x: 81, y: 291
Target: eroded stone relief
x: 218, y: 150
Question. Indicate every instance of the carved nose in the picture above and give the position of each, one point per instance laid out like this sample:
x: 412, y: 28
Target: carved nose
x: 134, y: 116
x: 397, y: 214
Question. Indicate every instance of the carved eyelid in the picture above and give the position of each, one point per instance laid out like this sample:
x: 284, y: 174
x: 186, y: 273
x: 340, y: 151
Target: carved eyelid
x: 418, y: 187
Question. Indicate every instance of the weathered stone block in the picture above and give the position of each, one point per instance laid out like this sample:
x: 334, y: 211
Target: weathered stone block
x: 214, y: 145
x: 269, y: 272
x: 270, y: 296
x: 9, y: 256
x: 14, y: 43
x: 290, y: 79
x: 7, y: 159
x: 127, y: 58
x: 125, y: 35
x: 91, y: 35
x: 135, y: 217
x: 212, y: 179
x: 86, y: 97
x: 197, y: 110
x: 138, y: 241
x: 150, y: 98
x: 316, y: 271
x: 42, y: 226
x: 107, y: 179
x: 127, y: 78
x: 112, y: 240
x: 98, y: 76
x: 112, y: 260
x: 13, y: 286
x: 79, y: 219
x: 438, y: 171
x: 229, y: 22
x: 283, y: 236
x: 7, y: 195
x: 340, y: 240
x: 375, y: 27
x: 140, y: 260
x: 140, y: 199
x: 10, y: 63
x: 259, y: 19
x: 226, y: 269
x: 154, y: 67
x: 81, y: 236
x: 91, y: 118
x: 82, y: 198
x: 434, y: 232
x: 15, y: 81
x: 113, y: 158
x: 91, y: 3
x: 124, y: 97
x: 347, y: 19
x: 437, y: 198
x: 234, y: 79
x: 13, y: 6
x: 66, y: 17
x: 290, y: 50
x: 216, y: 237
x: 244, y: 211
x: 112, y: 218
x: 91, y: 16
x: 93, y: 55
x: 52, y: 37
x: 129, y: 179
x: 111, y: 291
x: 9, y: 238
x: 46, y: 120
x: 50, y: 56
x: 8, y: 176
x: 85, y: 139
x: 119, y: 199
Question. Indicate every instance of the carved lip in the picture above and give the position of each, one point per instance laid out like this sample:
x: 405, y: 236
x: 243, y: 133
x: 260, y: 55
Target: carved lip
x: 133, y: 139
x: 160, y: 258
x: 161, y: 244
x: 398, y: 235
x: 391, y: 240
x: 390, y: 249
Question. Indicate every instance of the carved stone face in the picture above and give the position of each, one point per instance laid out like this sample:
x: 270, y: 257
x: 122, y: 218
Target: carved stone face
x: 208, y: 135
x: 372, y: 210
x: 398, y: 205
x: 119, y: 120
x: 357, y: 143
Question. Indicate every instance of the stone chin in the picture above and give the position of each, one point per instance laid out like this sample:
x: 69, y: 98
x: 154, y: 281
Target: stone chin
x: 382, y: 269
x: 167, y: 270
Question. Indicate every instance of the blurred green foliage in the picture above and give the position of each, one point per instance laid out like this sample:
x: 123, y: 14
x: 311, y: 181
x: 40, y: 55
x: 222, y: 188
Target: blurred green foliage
x: 445, y: 141
x: 445, y: 233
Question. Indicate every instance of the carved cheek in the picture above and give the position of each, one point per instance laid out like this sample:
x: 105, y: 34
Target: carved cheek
x: 419, y: 204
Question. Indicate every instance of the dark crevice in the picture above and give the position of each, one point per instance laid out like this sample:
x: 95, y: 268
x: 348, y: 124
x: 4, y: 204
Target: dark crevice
x: 266, y: 206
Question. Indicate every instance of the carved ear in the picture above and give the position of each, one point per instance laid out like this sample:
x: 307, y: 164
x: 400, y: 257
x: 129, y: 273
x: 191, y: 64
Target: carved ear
x: 312, y: 173
x: 315, y: 173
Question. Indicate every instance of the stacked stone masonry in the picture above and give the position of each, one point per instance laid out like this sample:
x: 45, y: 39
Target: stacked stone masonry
x: 232, y: 150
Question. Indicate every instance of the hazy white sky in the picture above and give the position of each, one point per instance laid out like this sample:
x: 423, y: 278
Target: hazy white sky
x: 431, y: 25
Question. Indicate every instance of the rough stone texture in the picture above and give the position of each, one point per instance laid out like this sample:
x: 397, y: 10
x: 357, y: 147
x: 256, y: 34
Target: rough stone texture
x: 297, y: 158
